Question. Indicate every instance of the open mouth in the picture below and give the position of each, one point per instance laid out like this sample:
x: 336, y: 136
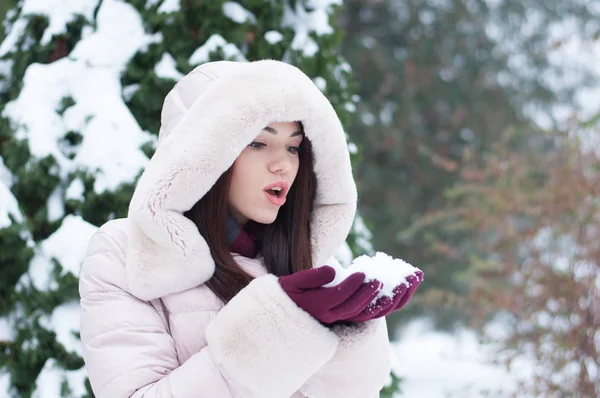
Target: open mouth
x: 275, y: 192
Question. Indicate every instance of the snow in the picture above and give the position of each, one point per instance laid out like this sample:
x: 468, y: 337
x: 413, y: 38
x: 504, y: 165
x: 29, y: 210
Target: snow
x: 151, y: 3
x: 303, y: 23
x: 237, y: 13
x: 273, y: 37
x: 340, y: 72
x: 169, y: 6
x: 320, y: 83
x: 571, y: 55
x: 350, y: 107
x: 130, y: 90
x: 202, y: 53
x: 5, y: 73
x: 50, y: 379
x: 167, y: 68
x: 382, y: 267
x: 362, y: 233
x: 436, y: 364
x: 75, y: 190
x: 55, y: 205
x: 30, y: 344
x: 6, y: 332
x: 8, y: 203
x: 64, y: 321
x: 343, y: 256
x: 59, y: 13
x: 117, y: 23
x: 39, y: 274
x: 368, y: 118
x: 67, y: 245
x: 9, y: 17
x: 16, y: 31
x: 95, y: 66
x: 4, y: 385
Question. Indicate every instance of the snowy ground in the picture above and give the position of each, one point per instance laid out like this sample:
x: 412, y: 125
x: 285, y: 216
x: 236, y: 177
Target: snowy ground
x: 436, y: 364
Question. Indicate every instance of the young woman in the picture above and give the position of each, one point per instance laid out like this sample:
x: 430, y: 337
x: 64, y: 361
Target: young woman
x: 213, y: 286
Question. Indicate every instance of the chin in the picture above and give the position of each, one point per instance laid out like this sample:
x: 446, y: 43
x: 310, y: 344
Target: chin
x: 264, y: 218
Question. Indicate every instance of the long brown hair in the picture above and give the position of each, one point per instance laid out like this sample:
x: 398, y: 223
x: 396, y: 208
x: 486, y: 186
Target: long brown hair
x: 286, y: 244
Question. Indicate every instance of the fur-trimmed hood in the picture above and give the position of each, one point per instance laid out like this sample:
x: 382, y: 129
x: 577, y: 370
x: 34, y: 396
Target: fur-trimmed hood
x: 207, y: 120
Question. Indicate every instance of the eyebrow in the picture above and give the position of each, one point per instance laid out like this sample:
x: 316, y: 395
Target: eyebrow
x: 274, y: 132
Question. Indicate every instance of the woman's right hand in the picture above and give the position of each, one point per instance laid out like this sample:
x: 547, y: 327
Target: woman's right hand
x: 329, y: 304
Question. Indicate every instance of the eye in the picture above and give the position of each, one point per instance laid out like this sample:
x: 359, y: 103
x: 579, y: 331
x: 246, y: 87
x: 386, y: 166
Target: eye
x: 256, y: 145
x: 293, y: 149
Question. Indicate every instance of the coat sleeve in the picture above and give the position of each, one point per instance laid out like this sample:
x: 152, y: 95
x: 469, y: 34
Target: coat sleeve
x: 360, y: 366
x: 259, y: 345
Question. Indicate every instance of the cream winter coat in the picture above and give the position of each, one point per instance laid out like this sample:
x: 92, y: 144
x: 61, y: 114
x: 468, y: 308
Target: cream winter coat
x: 149, y: 325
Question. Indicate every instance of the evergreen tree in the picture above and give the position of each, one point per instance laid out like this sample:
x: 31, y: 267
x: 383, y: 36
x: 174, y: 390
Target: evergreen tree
x: 81, y: 88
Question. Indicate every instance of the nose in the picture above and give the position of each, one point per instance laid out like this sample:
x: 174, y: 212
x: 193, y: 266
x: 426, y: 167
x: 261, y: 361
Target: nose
x: 280, y: 165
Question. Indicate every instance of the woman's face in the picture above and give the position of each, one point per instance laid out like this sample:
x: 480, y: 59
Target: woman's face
x: 270, y: 161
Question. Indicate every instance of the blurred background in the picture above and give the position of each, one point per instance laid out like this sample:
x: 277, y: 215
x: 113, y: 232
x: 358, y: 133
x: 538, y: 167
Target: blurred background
x: 474, y: 132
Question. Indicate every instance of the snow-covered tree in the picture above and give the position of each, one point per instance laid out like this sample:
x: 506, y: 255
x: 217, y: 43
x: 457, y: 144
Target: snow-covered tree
x: 81, y: 87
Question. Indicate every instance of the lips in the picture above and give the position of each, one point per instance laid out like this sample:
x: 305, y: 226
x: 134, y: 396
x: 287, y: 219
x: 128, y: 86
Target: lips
x: 277, y: 196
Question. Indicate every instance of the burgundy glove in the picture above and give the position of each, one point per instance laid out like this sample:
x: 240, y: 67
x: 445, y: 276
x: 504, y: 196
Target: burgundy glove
x: 329, y: 304
x: 386, y: 305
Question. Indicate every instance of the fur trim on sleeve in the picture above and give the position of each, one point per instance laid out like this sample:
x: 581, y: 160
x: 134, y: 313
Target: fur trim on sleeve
x: 360, y: 366
x: 267, y: 345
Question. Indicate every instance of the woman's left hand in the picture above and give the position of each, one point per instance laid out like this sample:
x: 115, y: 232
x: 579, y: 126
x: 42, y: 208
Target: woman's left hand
x: 386, y: 305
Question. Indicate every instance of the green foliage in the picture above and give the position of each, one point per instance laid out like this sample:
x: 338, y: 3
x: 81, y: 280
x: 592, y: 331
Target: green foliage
x: 34, y: 343
x: 14, y: 261
x: 65, y: 104
x: 392, y: 389
x: 185, y: 31
x: 27, y: 355
x: 4, y: 7
x: 98, y: 208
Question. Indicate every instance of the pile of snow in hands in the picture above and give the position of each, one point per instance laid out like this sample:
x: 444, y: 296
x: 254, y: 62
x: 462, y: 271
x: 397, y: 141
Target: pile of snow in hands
x: 392, y: 272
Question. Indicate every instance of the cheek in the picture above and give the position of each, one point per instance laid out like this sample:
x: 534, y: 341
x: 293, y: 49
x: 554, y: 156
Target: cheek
x: 296, y: 167
x: 237, y: 180
x: 241, y: 178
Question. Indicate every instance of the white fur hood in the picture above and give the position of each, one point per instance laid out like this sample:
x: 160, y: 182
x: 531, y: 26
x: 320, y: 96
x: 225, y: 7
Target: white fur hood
x: 207, y: 120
